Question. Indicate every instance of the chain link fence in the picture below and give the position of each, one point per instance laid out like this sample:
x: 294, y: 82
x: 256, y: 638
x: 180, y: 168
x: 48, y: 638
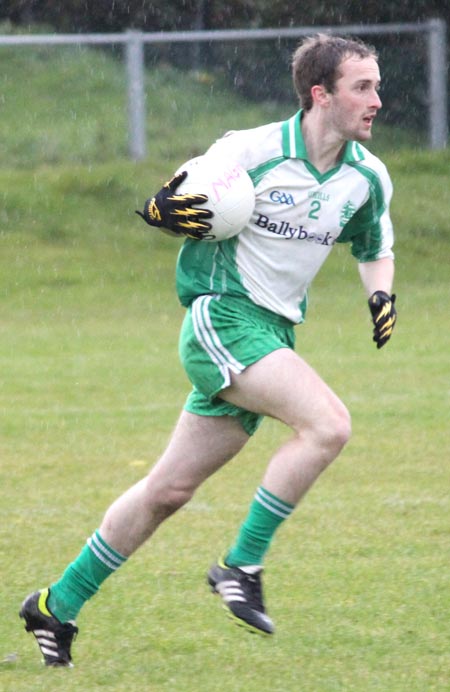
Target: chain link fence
x: 255, y: 63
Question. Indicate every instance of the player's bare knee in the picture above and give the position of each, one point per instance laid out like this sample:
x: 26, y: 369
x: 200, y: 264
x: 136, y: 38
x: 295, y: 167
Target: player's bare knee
x: 343, y: 428
x: 167, y: 498
x: 330, y: 429
x: 339, y: 428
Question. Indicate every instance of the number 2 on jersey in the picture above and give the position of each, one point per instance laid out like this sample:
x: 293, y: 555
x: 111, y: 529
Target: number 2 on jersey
x: 314, y: 211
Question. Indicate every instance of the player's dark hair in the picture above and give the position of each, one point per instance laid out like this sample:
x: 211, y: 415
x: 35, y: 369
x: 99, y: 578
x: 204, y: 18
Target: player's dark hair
x: 317, y: 61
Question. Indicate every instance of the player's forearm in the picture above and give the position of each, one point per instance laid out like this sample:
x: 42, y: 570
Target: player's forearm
x: 377, y: 276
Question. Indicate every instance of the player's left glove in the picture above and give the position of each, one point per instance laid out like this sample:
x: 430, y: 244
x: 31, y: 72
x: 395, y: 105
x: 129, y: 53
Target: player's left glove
x: 384, y: 316
x: 177, y: 212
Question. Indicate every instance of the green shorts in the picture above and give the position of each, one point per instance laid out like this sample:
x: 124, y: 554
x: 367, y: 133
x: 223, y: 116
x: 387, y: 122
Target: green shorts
x: 223, y: 335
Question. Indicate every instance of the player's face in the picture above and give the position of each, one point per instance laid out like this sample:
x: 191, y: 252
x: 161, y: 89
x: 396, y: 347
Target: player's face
x: 355, y: 101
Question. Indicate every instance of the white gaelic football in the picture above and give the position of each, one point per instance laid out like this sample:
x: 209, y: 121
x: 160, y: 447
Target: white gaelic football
x: 230, y: 191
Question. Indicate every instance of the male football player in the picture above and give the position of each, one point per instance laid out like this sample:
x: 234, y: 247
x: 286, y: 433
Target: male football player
x: 316, y: 185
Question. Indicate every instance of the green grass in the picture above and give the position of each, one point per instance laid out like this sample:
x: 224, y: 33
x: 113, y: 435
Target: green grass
x: 69, y: 105
x: 90, y: 387
x: 74, y: 108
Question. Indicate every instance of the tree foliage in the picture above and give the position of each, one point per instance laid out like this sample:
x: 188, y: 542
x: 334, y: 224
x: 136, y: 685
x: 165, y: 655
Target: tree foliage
x: 170, y: 15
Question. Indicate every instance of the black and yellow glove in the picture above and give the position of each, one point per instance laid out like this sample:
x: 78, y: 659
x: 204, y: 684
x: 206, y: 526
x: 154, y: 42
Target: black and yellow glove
x: 384, y: 316
x: 176, y: 212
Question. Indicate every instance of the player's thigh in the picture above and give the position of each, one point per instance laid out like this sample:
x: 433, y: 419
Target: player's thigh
x: 282, y: 385
x: 199, y: 446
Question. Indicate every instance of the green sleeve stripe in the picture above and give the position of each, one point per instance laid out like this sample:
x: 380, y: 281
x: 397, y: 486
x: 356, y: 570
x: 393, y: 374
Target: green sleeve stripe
x: 375, y: 188
x: 258, y: 173
x: 364, y: 229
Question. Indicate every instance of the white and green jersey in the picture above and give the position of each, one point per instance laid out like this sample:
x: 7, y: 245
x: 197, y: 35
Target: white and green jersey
x: 299, y: 215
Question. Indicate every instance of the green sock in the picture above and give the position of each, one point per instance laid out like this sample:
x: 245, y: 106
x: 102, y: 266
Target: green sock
x: 83, y: 577
x: 266, y: 513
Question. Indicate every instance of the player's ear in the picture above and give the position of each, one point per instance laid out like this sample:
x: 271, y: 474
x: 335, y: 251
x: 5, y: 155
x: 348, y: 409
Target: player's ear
x: 320, y: 95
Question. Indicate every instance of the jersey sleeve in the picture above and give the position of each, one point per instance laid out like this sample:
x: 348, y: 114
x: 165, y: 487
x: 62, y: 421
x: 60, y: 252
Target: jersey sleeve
x: 245, y: 146
x: 370, y: 230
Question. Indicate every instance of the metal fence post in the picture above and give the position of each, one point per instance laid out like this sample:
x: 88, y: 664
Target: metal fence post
x: 437, y: 80
x: 136, y: 95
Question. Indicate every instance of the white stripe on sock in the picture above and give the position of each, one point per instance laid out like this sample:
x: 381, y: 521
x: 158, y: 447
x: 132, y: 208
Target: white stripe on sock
x: 103, y: 554
x: 275, y: 506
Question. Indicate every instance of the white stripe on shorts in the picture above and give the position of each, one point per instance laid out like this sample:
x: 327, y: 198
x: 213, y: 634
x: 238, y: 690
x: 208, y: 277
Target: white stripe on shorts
x: 210, y: 341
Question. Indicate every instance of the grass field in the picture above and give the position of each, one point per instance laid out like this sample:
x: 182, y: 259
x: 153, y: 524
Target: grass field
x: 357, y: 581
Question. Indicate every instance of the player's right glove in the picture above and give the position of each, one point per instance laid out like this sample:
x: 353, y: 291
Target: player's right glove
x: 384, y: 316
x: 176, y: 212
